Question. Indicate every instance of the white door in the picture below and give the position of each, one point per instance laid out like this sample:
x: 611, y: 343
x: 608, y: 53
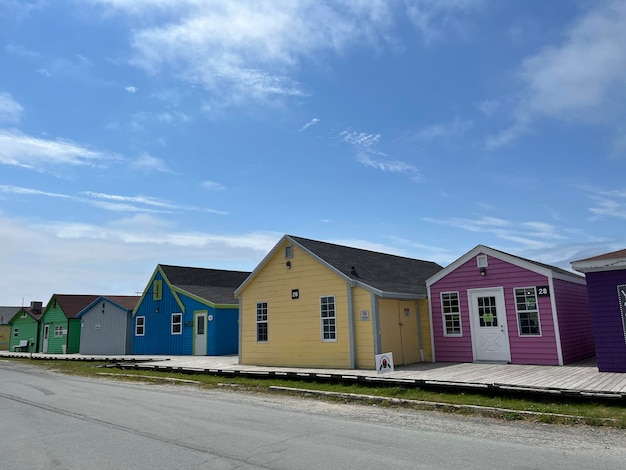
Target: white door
x: 490, y: 337
x: 46, y: 333
x: 199, y: 333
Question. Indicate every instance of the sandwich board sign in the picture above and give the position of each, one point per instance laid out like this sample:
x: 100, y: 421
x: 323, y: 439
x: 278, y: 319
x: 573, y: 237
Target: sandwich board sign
x: 384, y: 363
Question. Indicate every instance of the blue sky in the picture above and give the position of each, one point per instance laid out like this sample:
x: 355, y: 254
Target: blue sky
x: 198, y: 132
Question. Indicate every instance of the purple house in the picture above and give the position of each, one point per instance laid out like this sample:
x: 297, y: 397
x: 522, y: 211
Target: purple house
x: 606, y: 285
x: 491, y: 306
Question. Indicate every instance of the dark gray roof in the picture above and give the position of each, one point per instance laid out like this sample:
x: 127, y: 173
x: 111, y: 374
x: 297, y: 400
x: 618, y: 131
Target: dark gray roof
x: 215, y: 285
x: 6, y: 313
x: 381, y: 271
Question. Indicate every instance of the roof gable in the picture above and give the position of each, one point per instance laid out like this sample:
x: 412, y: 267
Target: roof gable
x: 381, y: 273
x: 530, y: 265
x: 614, y: 260
x: 71, y: 305
x: 123, y: 302
x: 7, y: 314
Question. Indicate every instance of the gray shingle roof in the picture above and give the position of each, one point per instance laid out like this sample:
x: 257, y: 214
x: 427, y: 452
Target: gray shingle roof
x: 381, y: 271
x: 215, y: 285
x: 6, y: 313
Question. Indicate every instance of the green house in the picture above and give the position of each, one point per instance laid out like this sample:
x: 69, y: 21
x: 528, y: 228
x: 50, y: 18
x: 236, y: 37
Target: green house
x: 25, y: 328
x: 59, y: 329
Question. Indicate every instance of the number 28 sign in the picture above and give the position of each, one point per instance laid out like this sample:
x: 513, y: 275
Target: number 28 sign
x: 543, y: 291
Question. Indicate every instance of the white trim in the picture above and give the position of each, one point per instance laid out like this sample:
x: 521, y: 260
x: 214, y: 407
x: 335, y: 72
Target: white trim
x: 608, y: 264
x: 555, y: 320
x: 443, y: 315
x: 180, y: 323
x: 334, y: 317
x: 519, y: 333
x: 265, y: 322
x: 504, y: 324
x: 482, y: 261
x: 143, y: 325
x: 511, y: 259
x: 430, y: 315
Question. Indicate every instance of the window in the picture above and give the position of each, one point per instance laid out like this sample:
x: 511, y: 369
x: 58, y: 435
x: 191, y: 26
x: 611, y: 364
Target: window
x: 451, y: 313
x: 481, y: 261
x: 289, y: 251
x: 327, y: 316
x: 16, y: 332
x: 58, y: 331
x: 157, y: 290
x: 527, y: 311
x: 261, y: 322
x: 140, y: 326
x: 177, y: 323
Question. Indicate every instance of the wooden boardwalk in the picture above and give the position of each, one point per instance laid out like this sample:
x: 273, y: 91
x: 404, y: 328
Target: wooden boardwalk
x: 581, y: 379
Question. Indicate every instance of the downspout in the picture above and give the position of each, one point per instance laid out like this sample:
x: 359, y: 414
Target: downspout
x: 239, y: 346
x: 351, y: 327
x: 376, y: 324
x: 419, y: 330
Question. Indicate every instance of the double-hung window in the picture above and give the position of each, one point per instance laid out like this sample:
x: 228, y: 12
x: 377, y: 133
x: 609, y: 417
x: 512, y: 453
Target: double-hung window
x: 261, y: 322
x: 16, y: 332
x: 451, y: 313
x: 527, y: 311
x: 177, y: 323
x: 140, y: 326
x: 58, y: 331
x: 328, y: 318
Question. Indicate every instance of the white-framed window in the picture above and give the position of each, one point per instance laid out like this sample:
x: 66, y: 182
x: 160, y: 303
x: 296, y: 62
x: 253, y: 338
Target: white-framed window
x: 527, y: 311
x: 140, y: 326
x: 177, y: 323
x: 328, y: 318
x: 261, y: 322
x: 16, y: 332
x: 288, y: 251
x: 451, y: 310
x: 58, y: 330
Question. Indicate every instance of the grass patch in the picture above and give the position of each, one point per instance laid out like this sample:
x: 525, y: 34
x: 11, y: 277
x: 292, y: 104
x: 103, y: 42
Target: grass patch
x: 542, y: 409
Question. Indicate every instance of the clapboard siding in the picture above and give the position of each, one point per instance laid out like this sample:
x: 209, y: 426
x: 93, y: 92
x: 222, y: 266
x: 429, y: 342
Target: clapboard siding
x: 574, y: 320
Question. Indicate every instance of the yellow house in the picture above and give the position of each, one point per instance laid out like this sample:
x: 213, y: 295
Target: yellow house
x: 316, y: 304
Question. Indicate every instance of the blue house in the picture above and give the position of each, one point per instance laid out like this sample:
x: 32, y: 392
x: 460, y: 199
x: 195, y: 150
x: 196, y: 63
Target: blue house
x: 188, y: 311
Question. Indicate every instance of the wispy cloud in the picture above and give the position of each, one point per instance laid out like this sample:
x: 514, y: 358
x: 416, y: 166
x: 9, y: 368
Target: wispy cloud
x: 488, y: 107
x: 435, y: 19
x: 146, y: 162
x: 213, y: 186
x: 309, y: 124
x: 113, y: 202
x: 456, y: 128
x: 359, y: 139
x: 30, y: 152
x: 607, y: 203
x: 131, y: 89
x: 10, y: 110
x: 580, y: 79
x: 21, y: 51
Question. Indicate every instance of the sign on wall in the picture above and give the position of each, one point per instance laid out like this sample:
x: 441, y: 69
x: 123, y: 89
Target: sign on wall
x: 621, y: 295
x: 365, y: 315
x: 543, y: 291
x: 295, y: 293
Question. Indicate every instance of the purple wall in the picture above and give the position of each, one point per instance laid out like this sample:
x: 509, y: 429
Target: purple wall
x: 606, y: 319
x: 574, y: 321
x: 571, y: 301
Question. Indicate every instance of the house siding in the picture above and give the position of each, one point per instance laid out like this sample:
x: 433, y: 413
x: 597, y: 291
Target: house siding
x: 105, y: 330
x: 223, y: 331
x: 524, y: 349
x: 608, y: 331
x: 54, y: 317
x: 294, y: 330
x: 28, y: 328
x: 574, y: 320
x: 5, y: 337
x: 363, y: 330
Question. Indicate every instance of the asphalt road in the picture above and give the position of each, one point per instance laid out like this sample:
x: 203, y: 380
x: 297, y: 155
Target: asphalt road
x: 51, y: 421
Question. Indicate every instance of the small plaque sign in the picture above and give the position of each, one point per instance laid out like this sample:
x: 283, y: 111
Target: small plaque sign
x: 543, y: 291
x: 295, y: 294
x: 365, y: 315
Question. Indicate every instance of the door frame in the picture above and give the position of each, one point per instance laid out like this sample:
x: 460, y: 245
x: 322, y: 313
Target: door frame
x: 498, y: 293
x: 46, y: 337
x: 205, y: 314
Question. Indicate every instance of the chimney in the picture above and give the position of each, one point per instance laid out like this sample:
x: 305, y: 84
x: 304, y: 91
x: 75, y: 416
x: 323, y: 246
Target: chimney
x: 35, y: 307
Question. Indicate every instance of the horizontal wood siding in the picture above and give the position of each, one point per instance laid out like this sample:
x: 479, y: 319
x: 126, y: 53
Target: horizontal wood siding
x: 606, y: 320
x: 524, y: 350
x: 5, y: 337
x: 225, y: 334
x: 422, y: 305
x: 28, y: 329
x: 363, y: 329
x: 574, y: 319
x: 73, y: 336
x: 294, y: 329
x: 104, y: 330
x: 55, y: 317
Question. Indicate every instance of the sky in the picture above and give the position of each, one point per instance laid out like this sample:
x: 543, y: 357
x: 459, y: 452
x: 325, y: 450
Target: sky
x: 199, y: 132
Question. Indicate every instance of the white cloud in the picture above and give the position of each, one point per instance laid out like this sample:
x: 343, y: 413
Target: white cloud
x: 384, y: 163
x: 10, y: 109
x: 247, y: 50
x: 122, y: 254
x: 131, y: 89
x: 30, y: 152
x: 213, y: 186
x: 436, y: 18
x: 309, y: 124
x: 488, y: 107
x: 146, y: 162
x: 359, y: 139
x: 456, y: 128
x: 581, y: 79
x: 608, y: 203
